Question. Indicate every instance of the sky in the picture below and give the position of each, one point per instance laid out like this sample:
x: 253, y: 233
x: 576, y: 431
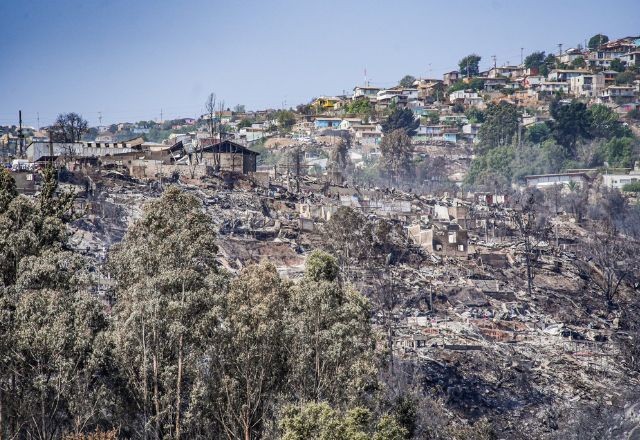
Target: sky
x: 130, y: 60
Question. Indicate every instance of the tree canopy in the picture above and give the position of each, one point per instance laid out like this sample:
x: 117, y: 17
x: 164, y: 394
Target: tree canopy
x: 407, y: 81
x: 469, y: 65
x: 401, y: 119
x: 597, y: 40
x: 500, y: 126
x: 534, y: 60
x: 69, y: 127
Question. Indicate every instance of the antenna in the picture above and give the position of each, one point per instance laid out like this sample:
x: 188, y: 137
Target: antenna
x: 161, y: 116
x: 493, y: 57
x: 38, y: 119
x: 100, y: 117
x: 366, y: 81
x: 522, y: 55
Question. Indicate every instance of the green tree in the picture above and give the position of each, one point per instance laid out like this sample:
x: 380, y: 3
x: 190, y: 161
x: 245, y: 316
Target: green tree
x: 469, y: 65
x: 403, y: 119
x: 578, y: 63
x: 475, y: 115
x: 618, y: 152
x: 570, y: 124
x: 361, y: 107
x: 49, y: 323
x: 318, y: 421
x: 397, y: 154
x: 535, y: 60
x: 331, y: 345
x: 537, y: 133
x: 244, y: 123
x: 407, y: 81
x: 617, y: 65
x: 286, y: 119
x: 624, y: 78
x: 597, y: 40
x: 164, y: 269
x: 605, y: 123
x: 247, y: 366
x: 500, y: 126
x: 8, y: 189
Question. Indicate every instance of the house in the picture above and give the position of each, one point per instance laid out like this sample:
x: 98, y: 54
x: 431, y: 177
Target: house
x: 36, y: 150
x: 631, y: 58
x: 325, y: 122
x: 505, y: 71
x: 493, y: 84
x: 365, y: 91
x: 554, y: 87
x: 427, y: 87
x: 326, y: 102
x: 470, y: 131
x: 451, y: 77
x: 620, y: 180
x: 547, y: 180
x: 367, y: 134
x: 611, y: 50
x: 468, y: 97
x: 558, y: 75
x: 347, y: 123
x: 229, y: 156
x: 569, y: 55
x: 609, y: 77
x: 587, y: 85
x: 617, y: 94
x: 533, y: 81
x: 441, y: 238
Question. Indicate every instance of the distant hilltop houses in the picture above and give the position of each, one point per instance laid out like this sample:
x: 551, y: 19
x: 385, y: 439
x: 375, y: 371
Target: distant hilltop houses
x: 446, y: 111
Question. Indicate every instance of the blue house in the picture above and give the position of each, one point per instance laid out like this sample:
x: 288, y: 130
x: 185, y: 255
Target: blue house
x: 327, y: 122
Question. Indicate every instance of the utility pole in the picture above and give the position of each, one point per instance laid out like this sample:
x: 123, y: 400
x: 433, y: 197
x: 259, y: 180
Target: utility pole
x: 521, y: 55
x: 494, y: 61
x: 100, y: 118
x: 161, y: 116
x: 38, y: 119
x: 559, y: 49
x: 20, y: 134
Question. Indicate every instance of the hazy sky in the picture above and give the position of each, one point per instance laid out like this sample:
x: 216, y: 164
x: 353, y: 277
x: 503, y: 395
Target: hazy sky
x: 131, y: 58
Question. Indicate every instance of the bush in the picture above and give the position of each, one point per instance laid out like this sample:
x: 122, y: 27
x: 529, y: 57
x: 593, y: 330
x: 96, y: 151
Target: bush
x: 632, y: 187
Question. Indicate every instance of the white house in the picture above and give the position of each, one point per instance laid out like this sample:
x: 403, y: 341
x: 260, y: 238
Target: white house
x: 554, y: 86
x: 587, y: 85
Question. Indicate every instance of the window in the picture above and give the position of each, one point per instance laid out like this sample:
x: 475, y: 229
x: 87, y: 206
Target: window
x: 461, y: 247
x: 452, y: 237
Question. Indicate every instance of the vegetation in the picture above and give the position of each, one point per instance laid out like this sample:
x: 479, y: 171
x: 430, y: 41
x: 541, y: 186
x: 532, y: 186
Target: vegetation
x: 397, y: 154
x: 500, y: 126
x: 534, y: 60
x: 69, y: 127
x: 407, y: 81
x: 632, y: 187
x: 360, y: 107
x: 597, y: 40
x: 576, y: 137
x: 469, y: 65
x: 286, y: 119
x: 401, y: 119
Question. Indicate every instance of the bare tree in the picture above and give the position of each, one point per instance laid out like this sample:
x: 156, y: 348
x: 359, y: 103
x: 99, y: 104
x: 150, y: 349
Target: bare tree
x: 210, y: 106
x: 533, y: 230
x: 68, y: 128
x: 607, y: 261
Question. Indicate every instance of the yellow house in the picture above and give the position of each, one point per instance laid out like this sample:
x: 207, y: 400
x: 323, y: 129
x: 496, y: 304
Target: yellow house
x: 326, y: 102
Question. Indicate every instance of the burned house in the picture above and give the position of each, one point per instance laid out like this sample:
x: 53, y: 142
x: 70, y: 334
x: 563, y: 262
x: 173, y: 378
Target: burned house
x: 442, y: 238
x: 229, y: 156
